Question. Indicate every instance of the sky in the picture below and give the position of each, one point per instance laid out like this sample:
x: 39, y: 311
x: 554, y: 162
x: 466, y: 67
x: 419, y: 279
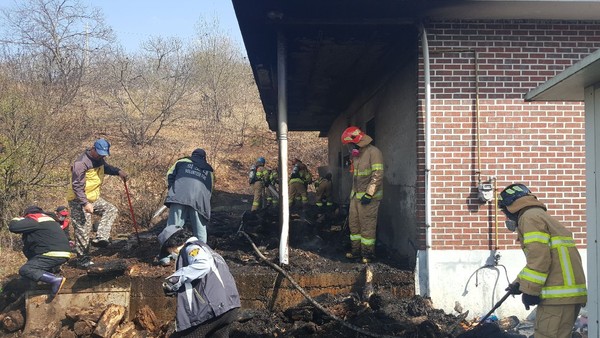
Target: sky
x: 134, y: 21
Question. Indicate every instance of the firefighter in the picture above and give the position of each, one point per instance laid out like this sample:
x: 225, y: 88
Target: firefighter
x: 271, y: 185
x: 323, y: 191
x: 553, y: 277
x: 366, y: 194
x: 323, y: 187
x: 300, y: 178
x: 256, y: 179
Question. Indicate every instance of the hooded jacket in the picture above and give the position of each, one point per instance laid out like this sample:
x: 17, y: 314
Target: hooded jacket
x: 554, y: 270
x: 367, y: 176
x: 190, y: 182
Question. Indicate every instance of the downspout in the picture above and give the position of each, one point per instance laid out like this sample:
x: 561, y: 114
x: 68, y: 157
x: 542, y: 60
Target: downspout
x: 282, y: 130
x: 427, y: 78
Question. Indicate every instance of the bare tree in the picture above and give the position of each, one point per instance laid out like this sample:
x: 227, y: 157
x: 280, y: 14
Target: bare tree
x: 149, y: 91
x: 228, y: 102
x: 58, y: 38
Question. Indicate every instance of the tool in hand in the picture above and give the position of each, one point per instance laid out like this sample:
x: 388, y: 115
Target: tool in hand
x: 132, y: 214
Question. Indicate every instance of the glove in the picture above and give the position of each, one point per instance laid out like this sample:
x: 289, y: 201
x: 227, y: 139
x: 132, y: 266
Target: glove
x: 366, y: 199
x: 170, y: 286
x: 514, y: 288
x: 530, y: 300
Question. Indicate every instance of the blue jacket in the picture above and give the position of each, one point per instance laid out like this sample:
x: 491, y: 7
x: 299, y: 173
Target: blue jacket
x: 190, y: 181
x: 206, y: 287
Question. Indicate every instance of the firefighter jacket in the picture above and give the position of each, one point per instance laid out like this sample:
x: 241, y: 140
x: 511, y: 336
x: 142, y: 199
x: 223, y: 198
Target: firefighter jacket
x: 191, y: 181
x: 367, y: 171
x: 272, y: 178
x: 554, y: 270
x: 300, y: 174
x: 323, y: 191
x: 87, y: 175
x: 257, y: 173
x: 41, y: 236
x: 206, y: 287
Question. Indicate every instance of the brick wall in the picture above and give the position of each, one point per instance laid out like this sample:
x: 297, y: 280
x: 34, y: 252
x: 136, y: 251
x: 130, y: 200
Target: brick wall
x: 539, y: 144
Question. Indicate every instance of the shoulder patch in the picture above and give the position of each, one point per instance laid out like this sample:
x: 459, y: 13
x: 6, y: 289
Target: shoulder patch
x: 194, y: 252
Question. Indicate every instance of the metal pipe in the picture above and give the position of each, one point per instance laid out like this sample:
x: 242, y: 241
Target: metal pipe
x: 477, y: 117
x: 428, y: 236
x: 282, y: 130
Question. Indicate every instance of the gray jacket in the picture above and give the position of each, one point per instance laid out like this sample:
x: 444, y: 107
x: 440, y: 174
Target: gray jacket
x: 190, y: 181
x: 206, y: 297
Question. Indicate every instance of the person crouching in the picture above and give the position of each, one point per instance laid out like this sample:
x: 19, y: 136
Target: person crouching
x: 207, y: 297
x: 44, y: 244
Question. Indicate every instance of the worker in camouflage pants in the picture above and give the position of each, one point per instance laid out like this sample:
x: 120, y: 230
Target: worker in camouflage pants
x: 87, y: 176
x: 82, y: 222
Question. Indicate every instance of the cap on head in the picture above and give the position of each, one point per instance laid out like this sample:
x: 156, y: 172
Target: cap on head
x: 512, y: 193
x: 352, y: 135
x: 199, y: 152
x: 62, y: 210
x: 33, y: 209
x: 261, y: 160
x: 167, y: 232
x: 164, y: 236
x: 102, y: 147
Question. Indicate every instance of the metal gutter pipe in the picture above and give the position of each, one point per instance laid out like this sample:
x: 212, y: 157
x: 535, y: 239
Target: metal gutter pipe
x: 427, y: 78
x: 282, y: 130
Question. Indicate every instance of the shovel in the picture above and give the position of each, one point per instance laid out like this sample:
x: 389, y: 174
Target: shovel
x: 496, y: 306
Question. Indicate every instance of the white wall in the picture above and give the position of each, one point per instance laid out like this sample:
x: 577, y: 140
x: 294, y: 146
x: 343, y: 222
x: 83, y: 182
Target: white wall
x: 454, y: 278
x: 592, y: 146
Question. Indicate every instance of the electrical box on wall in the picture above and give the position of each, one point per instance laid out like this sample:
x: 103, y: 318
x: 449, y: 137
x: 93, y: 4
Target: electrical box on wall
x: 485, y: 192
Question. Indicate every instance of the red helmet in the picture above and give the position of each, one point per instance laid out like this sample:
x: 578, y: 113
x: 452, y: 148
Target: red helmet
x: 352, y: 135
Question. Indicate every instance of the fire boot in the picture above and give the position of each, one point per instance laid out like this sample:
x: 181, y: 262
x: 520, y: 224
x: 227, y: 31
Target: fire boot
x: 56, y: 283
x: 355, y: 252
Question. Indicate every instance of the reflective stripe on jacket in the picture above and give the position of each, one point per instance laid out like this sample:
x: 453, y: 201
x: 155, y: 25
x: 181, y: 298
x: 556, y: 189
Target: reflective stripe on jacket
x: 41, y: 235
x: 554, y: 270
x: 367, y: 174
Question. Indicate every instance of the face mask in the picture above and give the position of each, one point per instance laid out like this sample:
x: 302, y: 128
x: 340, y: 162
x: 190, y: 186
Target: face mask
x: 511, y: 222
x: 354, y: 150
x: 511, y: 225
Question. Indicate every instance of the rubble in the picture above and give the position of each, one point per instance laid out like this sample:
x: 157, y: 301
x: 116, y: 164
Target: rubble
x: 366, y: 312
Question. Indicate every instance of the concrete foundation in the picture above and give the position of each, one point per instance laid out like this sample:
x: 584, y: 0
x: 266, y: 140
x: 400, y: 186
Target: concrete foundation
x: 257, y: 290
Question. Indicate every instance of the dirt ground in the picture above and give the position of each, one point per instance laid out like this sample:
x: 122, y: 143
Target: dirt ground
x: 315, y: 247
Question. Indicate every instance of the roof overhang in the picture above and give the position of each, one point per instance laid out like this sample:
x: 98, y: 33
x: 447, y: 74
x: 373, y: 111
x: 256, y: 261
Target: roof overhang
x: 335, y: 48
x: 570, y: 84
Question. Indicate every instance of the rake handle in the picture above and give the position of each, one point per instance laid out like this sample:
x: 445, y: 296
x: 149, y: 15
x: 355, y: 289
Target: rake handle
x: 131, y: 210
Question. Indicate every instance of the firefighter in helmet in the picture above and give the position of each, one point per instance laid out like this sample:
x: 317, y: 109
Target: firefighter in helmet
x: 256, y: 179
x: 366, y: 194
x: 553, y: 277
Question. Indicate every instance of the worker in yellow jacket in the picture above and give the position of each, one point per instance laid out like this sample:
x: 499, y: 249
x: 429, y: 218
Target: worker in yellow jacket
x: 553, y: 278
x: 366, y: 194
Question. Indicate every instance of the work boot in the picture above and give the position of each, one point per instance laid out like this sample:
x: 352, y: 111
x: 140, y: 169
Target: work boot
x: 100, y: 242
x: 56, y: 283
x: 352, y: 255
x: 83, y: 262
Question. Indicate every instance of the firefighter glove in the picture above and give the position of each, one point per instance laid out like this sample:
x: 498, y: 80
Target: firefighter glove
x: 529, y: 300
x: 513, y: 288
x: 366, y: 199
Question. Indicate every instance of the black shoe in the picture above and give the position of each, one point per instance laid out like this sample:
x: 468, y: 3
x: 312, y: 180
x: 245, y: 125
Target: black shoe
x: 84, y: 262
x: 100, y: 242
